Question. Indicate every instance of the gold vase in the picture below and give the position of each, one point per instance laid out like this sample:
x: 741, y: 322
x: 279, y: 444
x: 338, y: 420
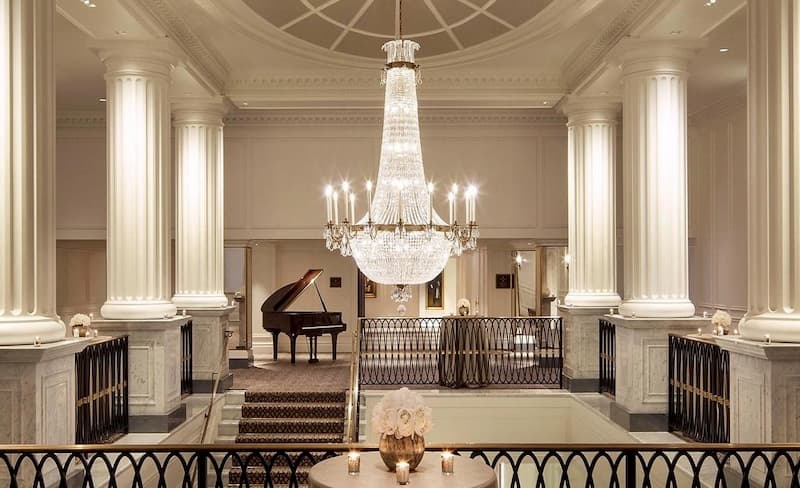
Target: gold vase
x: 408, y: 449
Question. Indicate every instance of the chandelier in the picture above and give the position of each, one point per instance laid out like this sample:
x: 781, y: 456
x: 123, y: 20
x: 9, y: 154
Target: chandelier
x: 401, y: 240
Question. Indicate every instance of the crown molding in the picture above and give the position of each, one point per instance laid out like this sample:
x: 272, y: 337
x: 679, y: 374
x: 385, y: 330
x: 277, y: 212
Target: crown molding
x: 375, y: 117
x: 81, y: 118
x: 590, y: 57
x: 202, y: 63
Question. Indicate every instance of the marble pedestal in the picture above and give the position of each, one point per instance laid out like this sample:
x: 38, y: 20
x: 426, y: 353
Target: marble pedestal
x: 37, y: 397
x: 210, y: 348
x: 581, y: 347
x: 154, y: 369
x: 641, y: 369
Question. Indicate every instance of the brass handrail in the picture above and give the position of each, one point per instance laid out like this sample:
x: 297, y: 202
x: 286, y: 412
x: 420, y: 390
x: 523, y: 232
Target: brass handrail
x: 351, y: 422
x: 345, y: 447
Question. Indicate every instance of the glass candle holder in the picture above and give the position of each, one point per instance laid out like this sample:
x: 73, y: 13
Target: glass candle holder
x: 767, y: 339
x: 37, y: 341
x: 447, y: 463
x: 353, y: 463
x: 402, y: 469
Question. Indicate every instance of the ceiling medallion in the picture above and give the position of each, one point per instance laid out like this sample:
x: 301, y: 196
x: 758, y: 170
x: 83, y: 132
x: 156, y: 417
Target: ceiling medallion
x: 401, y: 240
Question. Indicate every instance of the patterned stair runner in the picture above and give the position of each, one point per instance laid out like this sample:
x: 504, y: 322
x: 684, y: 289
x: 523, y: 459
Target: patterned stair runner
x: 288, y: 417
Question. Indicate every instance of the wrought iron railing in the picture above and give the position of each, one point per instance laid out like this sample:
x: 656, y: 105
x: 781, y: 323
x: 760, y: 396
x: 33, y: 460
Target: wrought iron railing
x: 516, y: 465
x: 186, y: 359
x: 458, y: 352
x: 608, y: 365
x: 101, y: 407
x: 699, y: 389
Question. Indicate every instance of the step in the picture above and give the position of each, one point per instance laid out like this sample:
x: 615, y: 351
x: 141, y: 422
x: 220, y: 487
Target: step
x: 288, y: 438
x: 291, y: 426
x: 295, y: 396
x: 293, y: 410
x: 257, y: 476
x: 231, y: 412
x: 234, y: 397
x: 297, y: 458
x: 228, y: 428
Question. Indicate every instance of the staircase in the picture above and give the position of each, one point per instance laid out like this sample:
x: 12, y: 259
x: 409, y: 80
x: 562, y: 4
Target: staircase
x: 285, y: 417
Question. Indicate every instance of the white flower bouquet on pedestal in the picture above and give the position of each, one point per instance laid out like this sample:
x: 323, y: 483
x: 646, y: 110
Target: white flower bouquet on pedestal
x: 80, y: 325
x: 402, y: 419
x: 721, y: 322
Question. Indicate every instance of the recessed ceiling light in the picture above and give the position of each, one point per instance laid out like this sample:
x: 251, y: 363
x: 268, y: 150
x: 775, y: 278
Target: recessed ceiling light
x: 121, y: 32
x: 604, y: 92
x: 88, y: 3
x: 676, y: 32
x: 710, y: 2
x: 546, y: 102
x: 244, y: 104
x: 723, y: 49
x: 102, y: 100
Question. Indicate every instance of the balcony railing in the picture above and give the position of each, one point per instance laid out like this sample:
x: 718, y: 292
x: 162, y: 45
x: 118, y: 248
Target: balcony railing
x: 608, y: 364
x: 516, y: 465
x: 699, y: 389
x: 101, y: 407
x: 459, y: 352
x: 186, y: 359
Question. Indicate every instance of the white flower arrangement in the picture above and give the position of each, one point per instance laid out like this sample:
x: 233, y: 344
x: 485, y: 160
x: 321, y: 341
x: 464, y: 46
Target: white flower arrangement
x: 80, y: 319
x: 402, y: 413
x: 463, y: 306
x: 721, y: 321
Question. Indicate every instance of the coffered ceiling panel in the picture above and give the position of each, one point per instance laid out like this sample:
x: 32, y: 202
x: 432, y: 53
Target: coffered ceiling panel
x: 442, y: 26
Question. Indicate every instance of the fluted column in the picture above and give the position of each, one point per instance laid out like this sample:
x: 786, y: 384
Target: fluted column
x: 655, y: 209
x: 138, y: 220
x: 199, y: 279
x: 773, y: 171
x: 592, y: 132
x: 27, y: 179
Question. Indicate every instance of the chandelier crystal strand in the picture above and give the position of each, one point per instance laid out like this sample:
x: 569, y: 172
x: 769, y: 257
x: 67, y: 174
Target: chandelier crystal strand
x: 401, y: 240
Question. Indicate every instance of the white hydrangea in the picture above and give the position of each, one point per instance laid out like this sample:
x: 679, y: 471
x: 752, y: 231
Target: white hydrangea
x: 402, y: 413
x: 80, y: 319
x: 721, y: 319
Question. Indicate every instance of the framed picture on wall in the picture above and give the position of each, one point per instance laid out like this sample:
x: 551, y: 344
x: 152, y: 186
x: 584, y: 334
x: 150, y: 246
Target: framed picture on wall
x: 434, y: 293
x: 370, y: 288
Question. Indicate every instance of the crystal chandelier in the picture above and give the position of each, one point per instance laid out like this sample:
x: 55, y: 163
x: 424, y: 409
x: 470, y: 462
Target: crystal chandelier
x: 401, y: 240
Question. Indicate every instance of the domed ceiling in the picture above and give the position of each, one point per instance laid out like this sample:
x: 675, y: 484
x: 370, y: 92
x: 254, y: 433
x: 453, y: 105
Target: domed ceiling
x: 359, y: 27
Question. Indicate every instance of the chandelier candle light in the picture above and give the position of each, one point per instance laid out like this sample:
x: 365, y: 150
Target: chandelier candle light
x: 401, y: 240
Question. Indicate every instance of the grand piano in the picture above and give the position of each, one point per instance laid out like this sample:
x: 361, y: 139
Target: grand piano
x: 310, y: 324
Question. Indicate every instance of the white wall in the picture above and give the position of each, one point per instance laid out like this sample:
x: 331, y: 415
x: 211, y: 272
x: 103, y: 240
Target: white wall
x: 718, y: 207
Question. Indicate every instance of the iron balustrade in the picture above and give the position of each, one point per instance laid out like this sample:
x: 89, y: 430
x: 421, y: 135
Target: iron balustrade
x: 186, y: 359
x: 461, y: 351
x: 516, y: 465
x: 101, y: 407
x: 699, y: 389
x: 608, y: 364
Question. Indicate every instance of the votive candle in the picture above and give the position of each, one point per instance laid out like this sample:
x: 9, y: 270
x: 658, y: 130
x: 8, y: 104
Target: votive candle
x: 767, y: 338
x: 447, y: 463
x: 402, y: 469
x: 352, y: 208
x: 353, y: 463
x: 37, y: 341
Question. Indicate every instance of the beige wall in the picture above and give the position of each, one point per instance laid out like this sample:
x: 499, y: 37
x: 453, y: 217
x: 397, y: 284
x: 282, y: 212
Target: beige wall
x: 718, y: 207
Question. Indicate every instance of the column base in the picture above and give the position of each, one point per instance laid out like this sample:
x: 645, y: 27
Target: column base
x: 190, y: 302
x: 781, y: 327
x: 154, y: 359
x: 592, y: 300
x: 24, y: 329
x: 581, y: 346
x: 657, y: 308
x: 637, y: 422
x: 158, y: 423
x: 641, y: 351
x: 138, y: 310
x: 209, y: 349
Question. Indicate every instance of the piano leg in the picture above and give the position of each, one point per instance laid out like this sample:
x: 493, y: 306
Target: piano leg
x: 275, y: 334
x: 293, y: 343
x: 334, y: 335
x: 312, y: 349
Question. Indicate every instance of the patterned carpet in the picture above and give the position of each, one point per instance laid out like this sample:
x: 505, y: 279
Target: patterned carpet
x: 285, y: 403
x: 281, y: 375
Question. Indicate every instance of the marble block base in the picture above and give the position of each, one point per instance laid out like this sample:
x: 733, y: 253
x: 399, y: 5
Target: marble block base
x: 37, y: 396
x: 240, y: 358
x: 765, y: 392
x: 641, y: 365
x: 154, y: 365
x: 581, y: 347
x: 209, y: 347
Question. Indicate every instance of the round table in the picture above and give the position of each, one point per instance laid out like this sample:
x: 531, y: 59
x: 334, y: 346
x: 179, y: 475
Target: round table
x: 467, y: 473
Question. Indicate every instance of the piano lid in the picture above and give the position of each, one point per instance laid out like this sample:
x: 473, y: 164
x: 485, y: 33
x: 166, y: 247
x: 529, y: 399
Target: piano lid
x: 286, y: 295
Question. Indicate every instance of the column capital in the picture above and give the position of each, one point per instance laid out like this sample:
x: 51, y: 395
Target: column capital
x: 123, y: 57
x: 200, y: 110
x: 587, y: 109
x: 642, y: 56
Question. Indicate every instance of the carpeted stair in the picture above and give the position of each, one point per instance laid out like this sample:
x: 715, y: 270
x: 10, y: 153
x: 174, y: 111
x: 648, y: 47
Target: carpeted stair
x: 288, y: 417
